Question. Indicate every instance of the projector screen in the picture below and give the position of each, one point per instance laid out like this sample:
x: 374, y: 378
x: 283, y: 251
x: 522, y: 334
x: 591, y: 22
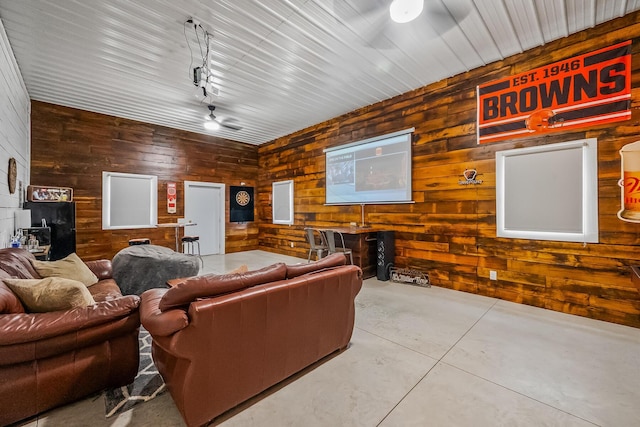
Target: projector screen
x: 374, y: 170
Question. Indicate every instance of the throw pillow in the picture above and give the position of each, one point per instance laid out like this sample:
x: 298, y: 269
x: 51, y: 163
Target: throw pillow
x: 70, y: 267
x: 242, y: 269
x: 50, y: 294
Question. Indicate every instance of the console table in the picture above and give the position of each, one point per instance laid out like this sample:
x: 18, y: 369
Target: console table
x: 362, y: 242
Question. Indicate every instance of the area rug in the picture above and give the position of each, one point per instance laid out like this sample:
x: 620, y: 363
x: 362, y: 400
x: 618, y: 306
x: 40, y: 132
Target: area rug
x: 147, y: 384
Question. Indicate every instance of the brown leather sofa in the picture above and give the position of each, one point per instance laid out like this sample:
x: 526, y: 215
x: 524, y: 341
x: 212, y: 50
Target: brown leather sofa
x: 219, y: 340
x: 49, y: 359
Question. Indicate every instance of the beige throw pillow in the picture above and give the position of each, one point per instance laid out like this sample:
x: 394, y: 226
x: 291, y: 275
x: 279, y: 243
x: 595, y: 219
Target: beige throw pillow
x: 240, y: 270
x: 70, y: 267
x: 50, y: 294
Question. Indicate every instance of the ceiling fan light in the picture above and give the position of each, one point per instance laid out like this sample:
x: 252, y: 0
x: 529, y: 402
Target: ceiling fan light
x: 402, y: 11
x: 211, y: 125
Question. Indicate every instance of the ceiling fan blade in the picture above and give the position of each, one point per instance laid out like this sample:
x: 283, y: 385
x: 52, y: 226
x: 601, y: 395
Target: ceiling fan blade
x: 230, y: 126
x: 348, y: 10
x: 371, y: 22
x: 376, y: 33
x: 442, y: 17
x: 368, y: 19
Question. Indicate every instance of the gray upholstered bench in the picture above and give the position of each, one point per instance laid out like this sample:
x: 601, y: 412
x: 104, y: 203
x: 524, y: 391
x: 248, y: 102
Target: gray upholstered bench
x: 141, y: 267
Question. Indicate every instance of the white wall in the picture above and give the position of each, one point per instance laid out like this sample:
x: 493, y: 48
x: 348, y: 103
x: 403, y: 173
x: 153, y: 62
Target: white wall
x: 15, y: 135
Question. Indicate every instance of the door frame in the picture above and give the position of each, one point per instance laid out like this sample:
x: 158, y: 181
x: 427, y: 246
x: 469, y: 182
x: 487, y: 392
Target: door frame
x: 222, y: 188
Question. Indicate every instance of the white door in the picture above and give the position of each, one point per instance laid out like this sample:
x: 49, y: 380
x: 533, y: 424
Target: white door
x: 204, y: 206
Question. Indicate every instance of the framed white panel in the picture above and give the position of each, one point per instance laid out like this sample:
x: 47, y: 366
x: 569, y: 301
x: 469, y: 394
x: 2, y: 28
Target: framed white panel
x: 282, y: 202
x: 548, y: 192
x: 129, y: 200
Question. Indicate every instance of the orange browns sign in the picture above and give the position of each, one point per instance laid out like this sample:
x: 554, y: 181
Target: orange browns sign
x: 589, y: 89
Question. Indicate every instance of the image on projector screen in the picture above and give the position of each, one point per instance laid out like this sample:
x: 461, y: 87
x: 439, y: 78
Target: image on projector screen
x: 377, y: 171
x: 385, y: 172
x: 340, y: 169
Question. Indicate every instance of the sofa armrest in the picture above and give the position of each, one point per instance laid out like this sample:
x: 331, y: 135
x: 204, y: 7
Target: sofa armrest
x: 157, y: 322
x: 29, y: 327
x: 101, y: 268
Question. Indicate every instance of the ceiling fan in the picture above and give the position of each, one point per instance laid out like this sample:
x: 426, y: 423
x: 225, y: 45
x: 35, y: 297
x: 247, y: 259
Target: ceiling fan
x: 213, y: 123
x: 386, y: 24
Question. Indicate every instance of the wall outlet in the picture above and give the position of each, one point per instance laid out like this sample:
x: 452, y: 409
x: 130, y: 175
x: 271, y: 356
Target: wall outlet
x: 292, y: 245
x: 493, y: 275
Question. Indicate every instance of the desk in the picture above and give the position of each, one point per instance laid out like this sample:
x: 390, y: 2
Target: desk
x: 362, y: 242
x: 177, y: 226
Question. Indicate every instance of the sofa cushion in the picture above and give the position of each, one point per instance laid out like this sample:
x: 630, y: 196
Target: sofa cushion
x: 50, y: 293
x: 70, y: 267
x: 9, y: 302
x: 209, y: 285
x: 16, y: 263
x: 105, y: 290
x: 333, y: 260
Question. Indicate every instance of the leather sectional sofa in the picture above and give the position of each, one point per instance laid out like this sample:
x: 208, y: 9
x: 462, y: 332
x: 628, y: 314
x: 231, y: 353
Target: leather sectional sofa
x: 220, y: 340
x: 53, y: 358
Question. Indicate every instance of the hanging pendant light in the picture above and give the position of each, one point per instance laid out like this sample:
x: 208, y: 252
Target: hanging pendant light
x: 402, y: 11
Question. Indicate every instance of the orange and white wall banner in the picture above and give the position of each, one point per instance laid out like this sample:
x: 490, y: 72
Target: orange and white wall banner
x: 589, y: 89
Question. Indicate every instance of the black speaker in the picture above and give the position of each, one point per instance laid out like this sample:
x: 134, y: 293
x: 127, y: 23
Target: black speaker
x: 386, y: 254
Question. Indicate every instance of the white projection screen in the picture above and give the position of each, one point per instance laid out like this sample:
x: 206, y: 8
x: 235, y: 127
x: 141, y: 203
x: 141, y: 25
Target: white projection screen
x: 374, y: 170
x: 548, y: 192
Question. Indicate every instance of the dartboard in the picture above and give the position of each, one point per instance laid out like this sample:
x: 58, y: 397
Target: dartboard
x: 243, y: 198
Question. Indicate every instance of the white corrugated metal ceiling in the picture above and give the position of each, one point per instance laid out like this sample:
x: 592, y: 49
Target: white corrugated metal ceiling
x: 279, y: 65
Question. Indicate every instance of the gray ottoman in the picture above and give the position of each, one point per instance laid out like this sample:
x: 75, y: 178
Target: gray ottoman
x: 142, y: 267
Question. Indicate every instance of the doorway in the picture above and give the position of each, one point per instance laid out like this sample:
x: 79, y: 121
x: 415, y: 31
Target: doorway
x: 204, y: 206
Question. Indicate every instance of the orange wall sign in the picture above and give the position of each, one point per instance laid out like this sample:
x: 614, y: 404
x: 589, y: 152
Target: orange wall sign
x: 589, y: 89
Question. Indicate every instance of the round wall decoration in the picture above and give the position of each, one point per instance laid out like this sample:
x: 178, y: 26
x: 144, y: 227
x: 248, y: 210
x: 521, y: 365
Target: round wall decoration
x: 12, y: 175
x: 243, y: 198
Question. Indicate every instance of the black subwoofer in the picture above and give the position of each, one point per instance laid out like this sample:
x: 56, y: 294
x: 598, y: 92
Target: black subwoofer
x: 386, y: 254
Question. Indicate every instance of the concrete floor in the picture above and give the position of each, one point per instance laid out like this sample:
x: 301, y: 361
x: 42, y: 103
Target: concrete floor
x: 432, y: 357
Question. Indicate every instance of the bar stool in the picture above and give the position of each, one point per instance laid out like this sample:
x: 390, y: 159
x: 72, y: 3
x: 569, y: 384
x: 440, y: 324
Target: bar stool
x: 190, y: 244
x: 140, y: 241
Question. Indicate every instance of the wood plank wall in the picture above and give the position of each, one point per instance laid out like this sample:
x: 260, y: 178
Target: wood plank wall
x: 450, y: 232
x: 71, y: 148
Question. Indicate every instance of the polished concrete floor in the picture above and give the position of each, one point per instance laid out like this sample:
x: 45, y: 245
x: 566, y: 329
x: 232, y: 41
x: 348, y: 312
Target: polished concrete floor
x: 433, y: 357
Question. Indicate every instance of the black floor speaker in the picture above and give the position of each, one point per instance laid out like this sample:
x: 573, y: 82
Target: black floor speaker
x: 386, y: 254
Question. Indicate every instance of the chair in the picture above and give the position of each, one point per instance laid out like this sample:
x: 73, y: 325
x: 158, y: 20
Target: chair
x: 319, y: 248
x: 330, y: 237
x: 189, y: 244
